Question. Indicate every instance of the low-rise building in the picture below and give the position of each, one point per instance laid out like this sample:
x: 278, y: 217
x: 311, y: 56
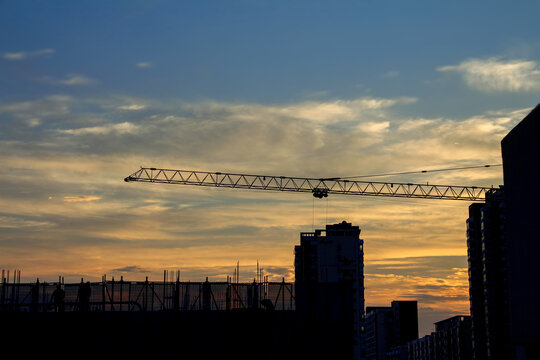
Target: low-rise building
x: 450, y: 341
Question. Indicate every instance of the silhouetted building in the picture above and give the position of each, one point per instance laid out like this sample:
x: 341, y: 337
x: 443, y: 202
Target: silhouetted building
x: 423, y: 348
x: 521, y: 163
x: 329, y: 276
x: 238, y: 334
x: 405, y: 321
x: 476, y: 281
x: 450, y: 341
x: 165, y: 320
x: 453, y: 338
x: 378, y: 337
x: 486, y: 248
x: 389, y: 329
x: 398, y: 353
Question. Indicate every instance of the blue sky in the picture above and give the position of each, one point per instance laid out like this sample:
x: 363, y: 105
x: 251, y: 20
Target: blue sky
x: 267, y: 52
x: 91, y: 90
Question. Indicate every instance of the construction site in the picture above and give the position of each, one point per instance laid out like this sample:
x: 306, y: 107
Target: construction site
x: 164, y: 319
x: 144, y: 296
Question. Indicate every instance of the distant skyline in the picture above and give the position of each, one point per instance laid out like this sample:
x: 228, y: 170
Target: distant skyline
x: 91, y: 90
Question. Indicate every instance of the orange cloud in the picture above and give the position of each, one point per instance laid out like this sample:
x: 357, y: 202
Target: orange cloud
x: 81, y: 198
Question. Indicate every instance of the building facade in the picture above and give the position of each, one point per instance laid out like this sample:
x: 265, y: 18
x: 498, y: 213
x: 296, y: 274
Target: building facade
x: 423, y: 348
x: 453, y: 338
x: 389, y: 329
x: 329, y: 276
x: 521, y: 164
x: 405, y: 322
x: 450, y: 341
x: 476, y: 281
x: 378, y: 332
x: 488, y: 287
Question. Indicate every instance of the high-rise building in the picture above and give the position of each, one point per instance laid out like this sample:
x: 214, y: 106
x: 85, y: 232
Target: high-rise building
x: 405, y: 321
x: 378, y: 338
x: 389, y: 329
x: 486, y: 250
x: 329, y: 276
x: 521, y: 164
x: 476, y: 281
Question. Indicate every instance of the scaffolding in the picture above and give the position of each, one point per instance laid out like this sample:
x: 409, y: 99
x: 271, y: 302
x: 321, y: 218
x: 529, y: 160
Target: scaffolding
x: 111, y: 295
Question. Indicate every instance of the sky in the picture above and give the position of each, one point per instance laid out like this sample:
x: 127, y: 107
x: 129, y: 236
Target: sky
x: 92, y: 90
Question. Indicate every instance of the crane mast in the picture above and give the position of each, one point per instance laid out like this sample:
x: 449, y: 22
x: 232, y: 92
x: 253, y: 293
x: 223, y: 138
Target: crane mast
x: 319, y: 187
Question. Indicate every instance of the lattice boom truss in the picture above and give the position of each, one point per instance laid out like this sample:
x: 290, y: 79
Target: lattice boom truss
x: 318, y: 187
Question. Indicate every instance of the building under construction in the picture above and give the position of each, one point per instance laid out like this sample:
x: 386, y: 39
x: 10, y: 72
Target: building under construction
x: 145, y: 296
x: 165, y: 319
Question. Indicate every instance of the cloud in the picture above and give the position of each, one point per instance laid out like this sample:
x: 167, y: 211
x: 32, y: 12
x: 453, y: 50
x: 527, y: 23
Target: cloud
x: 22, y: 55
x: 69, y: 80
x: 121, y: 128
x: 124, y: 103
x: 32, y: 113
x: 81, y: 198
x: 496, y: 75
x: 438, y: 286
x: 132, y: 107
x: 315, y: 112
x: 390, y: 74
x: 74, y: 79
x: 144, y: 64
x: 374, y: 127
x: 316, y: 94
x: 11, y: 222
x: 415, y: 249
x: 33, y: 122
x: 429, y: 266
x: 130, y: 269
x: 88, y: 145
x: 340, y: 110
x: 284, y: 139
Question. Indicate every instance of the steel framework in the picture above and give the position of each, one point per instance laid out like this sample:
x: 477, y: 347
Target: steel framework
x: 147, y: 295
x: 319, y: 187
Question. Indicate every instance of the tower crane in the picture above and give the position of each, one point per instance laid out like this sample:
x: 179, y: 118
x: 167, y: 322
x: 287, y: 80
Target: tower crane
x: 319, y: 187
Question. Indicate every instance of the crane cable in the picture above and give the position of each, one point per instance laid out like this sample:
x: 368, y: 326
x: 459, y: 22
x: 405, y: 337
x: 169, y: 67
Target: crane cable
x: 422, y: 171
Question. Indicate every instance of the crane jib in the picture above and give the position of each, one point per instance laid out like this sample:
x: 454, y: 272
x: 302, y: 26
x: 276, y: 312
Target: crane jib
x: 319, y: 187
